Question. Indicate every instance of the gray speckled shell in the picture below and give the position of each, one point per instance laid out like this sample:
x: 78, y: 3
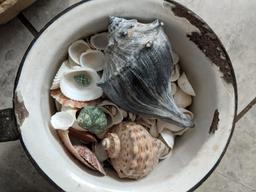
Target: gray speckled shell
x: 137, y: 70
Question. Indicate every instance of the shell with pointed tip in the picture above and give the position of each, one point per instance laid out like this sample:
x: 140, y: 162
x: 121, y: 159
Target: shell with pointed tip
x: 63, y: 69
x: 80, y: 85
x: 62, y: 120
x: 99, y: 41
x: 75, y: 50
x: 175, y: 75
x: 92, y: 59
x: 185, y: 85
x: 64, y: 101
x: 115, y: 112
x: 82, y: 153
x: 182, y: 99
x: 132, y: 150
x: 138, y: 68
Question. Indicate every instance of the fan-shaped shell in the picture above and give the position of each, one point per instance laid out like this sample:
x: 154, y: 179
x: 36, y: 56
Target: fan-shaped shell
x: 75, y: 50
x: 64, y: 101
x: 185, y: 85
x: 80, y: 85
x: 133, y: 151
x: 99, y: 41
x: 92, y: 59
x: 63, y: 69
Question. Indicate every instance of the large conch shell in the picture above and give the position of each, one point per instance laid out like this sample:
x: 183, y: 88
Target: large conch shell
x: 132, y: 150
x: 82, y: 153
x: 137, y: 70
x: 80, y: 85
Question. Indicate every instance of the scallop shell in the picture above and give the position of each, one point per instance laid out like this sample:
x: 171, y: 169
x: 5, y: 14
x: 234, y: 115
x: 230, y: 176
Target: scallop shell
x: 80, y: 85
x: 136, y: 64
x: 182, y: 99
x: 75, y: 50
x: 82, y: 153
x: 99, y: 41
x: 185, y: 85
x: 175, y: 73
x: 62, y: 120
x: 92, y: 59
x: 114, y: 111
x: 64, y: 101
x: 132, y: 150
x: 63, y: 69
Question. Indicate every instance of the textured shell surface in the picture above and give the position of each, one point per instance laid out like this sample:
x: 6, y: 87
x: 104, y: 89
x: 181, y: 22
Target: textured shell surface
x: 137, y: 70
x: 139, y: 152
x: 75, y: 50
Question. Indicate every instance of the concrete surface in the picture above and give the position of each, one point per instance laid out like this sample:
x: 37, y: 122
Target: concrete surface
x: 233, y: 21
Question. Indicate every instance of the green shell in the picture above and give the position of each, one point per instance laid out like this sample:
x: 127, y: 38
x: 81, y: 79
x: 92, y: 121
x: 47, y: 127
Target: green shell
x: 93, y: 119
x: 82, y: 80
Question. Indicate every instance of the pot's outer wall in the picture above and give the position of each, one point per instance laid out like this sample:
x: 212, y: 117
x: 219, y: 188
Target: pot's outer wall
x: 50, y: 156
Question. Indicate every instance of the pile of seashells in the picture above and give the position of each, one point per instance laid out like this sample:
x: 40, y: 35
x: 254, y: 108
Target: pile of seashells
x: 94, y: 128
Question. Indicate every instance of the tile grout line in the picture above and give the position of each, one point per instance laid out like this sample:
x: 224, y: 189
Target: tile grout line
x: 27, y: 24
x: 245, y: 110
x: 236, y: 181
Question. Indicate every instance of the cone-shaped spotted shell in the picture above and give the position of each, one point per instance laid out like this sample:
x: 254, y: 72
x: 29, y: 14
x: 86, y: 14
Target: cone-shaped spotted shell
x: 137, y: 70
x: 133, y: 151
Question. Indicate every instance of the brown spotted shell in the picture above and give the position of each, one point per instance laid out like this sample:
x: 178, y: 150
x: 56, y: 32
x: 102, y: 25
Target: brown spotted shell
x: 132, y: 150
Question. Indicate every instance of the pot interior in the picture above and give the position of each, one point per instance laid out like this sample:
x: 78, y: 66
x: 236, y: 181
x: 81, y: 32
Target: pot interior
x: 195, y: 153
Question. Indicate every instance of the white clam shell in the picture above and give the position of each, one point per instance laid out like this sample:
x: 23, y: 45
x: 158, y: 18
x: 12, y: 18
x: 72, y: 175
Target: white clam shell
x: 72, y: 90
x: 100, y: 152
x: 175, y: 57
x: 185, y: 85
x: 99, y: 41
x: 75, y: 50
x: 175, y: 73
x: 114, y: 110
x: 62, y: 70
x: 182, y: 99
x: 62, y: 120
x: 168, y: 137
x: 92, y: 59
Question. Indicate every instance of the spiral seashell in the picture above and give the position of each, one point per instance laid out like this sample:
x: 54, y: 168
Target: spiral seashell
x: 132, y: 150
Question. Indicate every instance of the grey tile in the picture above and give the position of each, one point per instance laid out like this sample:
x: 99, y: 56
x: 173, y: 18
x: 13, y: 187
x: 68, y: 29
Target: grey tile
x: 234, y: 23
x: 14, y: 40
x: 44, y: 10
x: 218, y: 183
x: 17, y: 173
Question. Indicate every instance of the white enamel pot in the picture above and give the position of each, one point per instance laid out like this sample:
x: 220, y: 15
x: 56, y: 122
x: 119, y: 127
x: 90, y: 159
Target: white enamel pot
x: 204, y: 60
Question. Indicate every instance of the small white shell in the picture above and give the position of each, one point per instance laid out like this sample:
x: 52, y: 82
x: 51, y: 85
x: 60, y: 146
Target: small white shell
x: 63, y: 69
x: 114, y: 110
x: 175, y: 73
x: 181, y: 99
x: 75, y: 50
x: 185, y: 85
x: 62, y: 120
x: 99, y: 41
x: 168, y: 138
x: 175, y: 57
x: 173, y: 87
x: 71, y: 89
x: 100, y: 152
x: 92, y: 59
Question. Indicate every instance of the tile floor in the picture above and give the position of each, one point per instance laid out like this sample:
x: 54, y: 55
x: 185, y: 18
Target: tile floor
x: 233, y: 21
